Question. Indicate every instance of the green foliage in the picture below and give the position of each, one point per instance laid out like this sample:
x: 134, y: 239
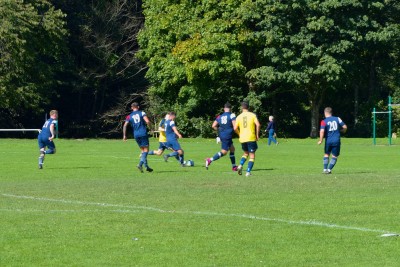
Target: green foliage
x: 213, y: 50
x: 287, y: 58
x: 32, y: 35
x: 192, y: 52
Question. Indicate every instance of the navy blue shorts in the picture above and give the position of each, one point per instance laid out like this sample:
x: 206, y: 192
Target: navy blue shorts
x: 142, y: 141
x: 249, y: 147
x: 162, y: 146
x: 45, y: 142
x: 226, y: 144
x: 174, y: 145
x: 332, y: 148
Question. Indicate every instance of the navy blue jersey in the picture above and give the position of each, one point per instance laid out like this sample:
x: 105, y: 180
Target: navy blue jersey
x: 225, y: 128
x: 271, y: 126
x: 138, y: 123
x: 332, y: 126
x: 169, y: 132
x: 45, y: 133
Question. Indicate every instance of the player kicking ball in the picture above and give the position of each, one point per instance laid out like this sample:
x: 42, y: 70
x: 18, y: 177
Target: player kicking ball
x: 172, y: 134
x: 224, y: 124
x: 331, y: 127
x: 46, y: 137
x: 162, y: 139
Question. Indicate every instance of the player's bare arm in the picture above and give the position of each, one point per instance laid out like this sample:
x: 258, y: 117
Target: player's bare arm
x: 215, y: 125
x: 344, y: 129
x: 233, y: 125
x: 236, y: 129
x: 176, y: 132
x: 147, y: 120
x: 124, y: 131
x: 52, y: 132
x: 258, y: 126
x: 321, y: 136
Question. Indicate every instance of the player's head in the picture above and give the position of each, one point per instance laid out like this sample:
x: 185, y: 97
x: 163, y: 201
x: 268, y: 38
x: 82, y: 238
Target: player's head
x: 227, y: 107
x: 53, y: 114
x: 245, y: 105
x: 328, y: 111
x: 271, y: 118
x: 172, y: 115
x: 166, y: 117
x: 135, y: 106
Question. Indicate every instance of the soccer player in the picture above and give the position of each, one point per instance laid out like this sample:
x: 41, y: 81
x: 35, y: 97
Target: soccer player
x: 248, y: 129
x: 271, y: 131
x: 172, y: 133
x: 331, y: 127
x: 138, y: 119
x: 224, y: 124
x: 46, y: 136
x: 162, y: 138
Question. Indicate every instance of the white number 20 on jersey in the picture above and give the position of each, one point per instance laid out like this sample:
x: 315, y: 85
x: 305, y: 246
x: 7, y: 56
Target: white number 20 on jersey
x: 332, y: 126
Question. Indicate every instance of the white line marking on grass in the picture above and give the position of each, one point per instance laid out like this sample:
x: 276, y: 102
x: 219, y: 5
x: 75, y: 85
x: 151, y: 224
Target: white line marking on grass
x: 246, y: 216
x: 83, y: 202
x: 65, y: 211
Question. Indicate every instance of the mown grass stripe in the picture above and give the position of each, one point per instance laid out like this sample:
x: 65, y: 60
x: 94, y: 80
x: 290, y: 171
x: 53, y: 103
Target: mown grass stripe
x: 247, y: 216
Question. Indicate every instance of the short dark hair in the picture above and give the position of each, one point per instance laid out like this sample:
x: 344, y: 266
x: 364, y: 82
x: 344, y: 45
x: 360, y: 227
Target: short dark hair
x: 245, y: 105
x: 172, y: 113
x: 227, y: 105
x: 135, y: 105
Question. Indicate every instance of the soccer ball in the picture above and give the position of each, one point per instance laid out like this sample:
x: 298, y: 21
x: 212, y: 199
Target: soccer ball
x: 189, y: 163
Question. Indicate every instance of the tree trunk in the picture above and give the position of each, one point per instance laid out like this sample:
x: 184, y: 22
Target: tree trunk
x: 103, y: 96
x: 372, y: 80
x: 94, y: 104
x: 356, y: 105
x: 314, y: 118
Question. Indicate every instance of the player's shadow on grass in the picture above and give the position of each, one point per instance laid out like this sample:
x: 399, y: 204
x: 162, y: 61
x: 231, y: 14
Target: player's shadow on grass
x: 257, y: 170
x: 74, y: 167
x: 178, y: 170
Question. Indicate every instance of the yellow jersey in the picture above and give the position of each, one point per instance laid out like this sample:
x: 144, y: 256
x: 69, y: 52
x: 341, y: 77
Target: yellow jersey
x: 246, y: 123
x: 162, y: 138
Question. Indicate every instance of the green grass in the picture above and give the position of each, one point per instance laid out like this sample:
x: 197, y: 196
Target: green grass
x: 89, y: 206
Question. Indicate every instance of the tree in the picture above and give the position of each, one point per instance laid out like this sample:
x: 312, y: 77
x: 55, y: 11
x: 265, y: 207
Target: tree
x: 207, y: 51
x: 104, y: 71
x: 193, y: 54
x: 32, y: 37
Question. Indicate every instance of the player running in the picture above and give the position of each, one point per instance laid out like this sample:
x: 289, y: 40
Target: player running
x: 162, y: 139
x: 138, y: 119
x: 331, y: 127
x: 248, y: 129
x: 46, y: 136
x: 224, y: 124
x: 172, y: 133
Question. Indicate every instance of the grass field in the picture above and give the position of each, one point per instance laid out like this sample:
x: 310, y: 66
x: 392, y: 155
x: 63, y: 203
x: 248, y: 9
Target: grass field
x: 89, y: 206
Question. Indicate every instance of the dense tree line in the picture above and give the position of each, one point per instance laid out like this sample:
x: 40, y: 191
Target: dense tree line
x: 90, y: 59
